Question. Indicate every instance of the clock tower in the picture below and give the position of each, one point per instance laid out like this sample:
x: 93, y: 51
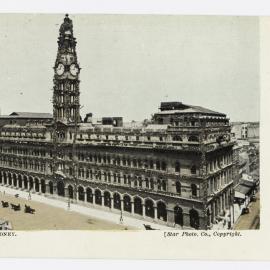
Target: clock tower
x: 66, y: 94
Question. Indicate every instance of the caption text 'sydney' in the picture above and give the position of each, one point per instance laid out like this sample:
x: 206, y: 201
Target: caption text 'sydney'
x: 215, y: 234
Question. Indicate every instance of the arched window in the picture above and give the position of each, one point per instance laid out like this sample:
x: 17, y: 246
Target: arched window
x: 164, y: 185
x: 193, y: 139
x: 152, y: 186
x: 193, y: 169
x: 194, y: 190
x: 163, y: 166
x: 146, y: 182
x: 176, y: 138
x: 178, y: 187
x: 177, y: 166
x: 158, y: 165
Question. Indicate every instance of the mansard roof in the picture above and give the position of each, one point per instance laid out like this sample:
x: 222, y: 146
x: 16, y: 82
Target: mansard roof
x: 180, y: 108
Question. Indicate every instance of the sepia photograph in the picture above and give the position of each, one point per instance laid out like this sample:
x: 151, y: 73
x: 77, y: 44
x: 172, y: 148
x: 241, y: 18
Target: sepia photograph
x: 129, y: 122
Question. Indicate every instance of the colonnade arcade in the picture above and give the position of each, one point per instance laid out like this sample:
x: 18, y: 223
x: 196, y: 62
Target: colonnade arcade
x: 147, y: 208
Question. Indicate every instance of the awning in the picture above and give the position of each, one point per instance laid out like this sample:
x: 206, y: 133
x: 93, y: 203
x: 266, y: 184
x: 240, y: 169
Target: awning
x: 243, y: 189
x: 239, y: 195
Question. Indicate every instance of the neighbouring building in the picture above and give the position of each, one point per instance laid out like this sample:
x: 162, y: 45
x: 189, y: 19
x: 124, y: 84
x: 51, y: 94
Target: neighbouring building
x: 177, y: 169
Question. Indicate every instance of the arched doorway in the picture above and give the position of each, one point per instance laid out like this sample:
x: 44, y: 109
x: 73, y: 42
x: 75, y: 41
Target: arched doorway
x: 51, y: 187
x: 36, y: 185
x: 70, y: 192
x: 20, y: 181
x: 161, y: 211
x: 107, y: 199
x: 5, y: 178
x: 127, y: 203
x: 194, y: 219
x: 138, y: 208
x: 149, y: 208
x: 98, y: 198
x: 9, y: 179
x: 60, y: 189
x: 117, y: 201
x: 178, y: 215
x: 81, y: 193
x: 25, y: 182
x: 31, y: 183
x: 14, y: 180
x: 89, y: 195
x: 43, y: 186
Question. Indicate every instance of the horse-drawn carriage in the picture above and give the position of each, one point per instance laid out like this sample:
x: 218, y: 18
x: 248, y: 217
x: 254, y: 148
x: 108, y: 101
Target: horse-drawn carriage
x: 15, y: 207
x: 5, y: 204
x: 28, y: 209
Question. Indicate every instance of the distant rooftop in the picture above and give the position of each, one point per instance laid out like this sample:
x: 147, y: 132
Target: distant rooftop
x: 27, y: 115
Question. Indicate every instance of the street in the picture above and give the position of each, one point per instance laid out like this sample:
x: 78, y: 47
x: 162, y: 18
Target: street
x: 250, y: 221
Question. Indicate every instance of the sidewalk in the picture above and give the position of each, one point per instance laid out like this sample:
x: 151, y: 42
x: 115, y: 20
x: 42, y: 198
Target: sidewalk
x: 92, y: 212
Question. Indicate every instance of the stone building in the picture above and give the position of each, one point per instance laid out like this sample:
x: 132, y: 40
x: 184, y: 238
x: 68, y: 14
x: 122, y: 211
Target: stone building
x: 177, y: 170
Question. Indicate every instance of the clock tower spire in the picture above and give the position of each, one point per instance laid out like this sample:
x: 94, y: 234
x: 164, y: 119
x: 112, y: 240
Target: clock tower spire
x: 66, y: 94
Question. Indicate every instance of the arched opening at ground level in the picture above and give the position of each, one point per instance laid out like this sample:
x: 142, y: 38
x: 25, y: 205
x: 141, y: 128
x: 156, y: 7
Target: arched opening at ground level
x: 20, y: 182
x: 43, y: 186
x: 81, y: 193
x: 138, y: 208
x: 117, y: 201
x: 36, y: 185
x: 70, y: 192
x: 107, y: 199
x: 98, y: 197
x: 127, y: 203
x: 194, y: 219
x: 89, y: 195
x: 14, y: 180
x: 178, y: 215
x: 161, y: 211
x: 31, y: 183
x: 60, y: 189
x: 149, y: 208
x: 51, y: 187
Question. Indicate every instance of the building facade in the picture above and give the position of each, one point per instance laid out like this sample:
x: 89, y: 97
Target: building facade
x: 178, y: 170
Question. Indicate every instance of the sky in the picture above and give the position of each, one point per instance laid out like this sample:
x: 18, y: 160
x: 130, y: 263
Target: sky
x: 130, y: 63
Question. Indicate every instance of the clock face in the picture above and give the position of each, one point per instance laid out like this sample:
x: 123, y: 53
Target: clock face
x: 60, y: 69
x: 74, y: 70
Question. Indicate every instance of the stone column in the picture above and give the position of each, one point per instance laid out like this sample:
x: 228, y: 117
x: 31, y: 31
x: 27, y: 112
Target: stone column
x: 170, y: 216
x: 122, y: 205
x: 143, y: 210
x: 186, y: 219
x: 47, y: 188
x: 112, y: 202
x: 155, y: 212
x: 132, y: 208
x: 94, y: 199
x: 102, y: 200
x: 66, y: 193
